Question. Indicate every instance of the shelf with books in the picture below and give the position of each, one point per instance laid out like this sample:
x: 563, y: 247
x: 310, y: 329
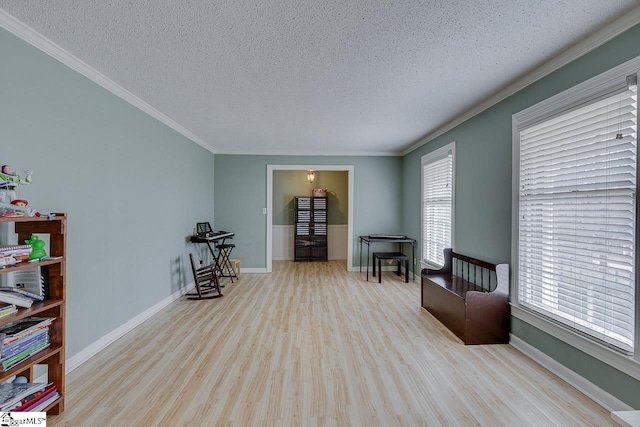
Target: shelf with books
x: 36, y: 309
x: 310, y: 229
x: 28, y: 265
x: 27, y: 397
x: 53, y: 270
x: 52, y: 404
x: 26, y: 364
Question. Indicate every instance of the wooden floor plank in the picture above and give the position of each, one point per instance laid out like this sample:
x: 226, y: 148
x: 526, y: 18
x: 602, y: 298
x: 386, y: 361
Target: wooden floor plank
x: 313, y: 345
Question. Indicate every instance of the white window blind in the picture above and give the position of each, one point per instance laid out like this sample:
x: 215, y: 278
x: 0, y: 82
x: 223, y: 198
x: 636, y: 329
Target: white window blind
x: 577, y: 218
x: 437, y: 185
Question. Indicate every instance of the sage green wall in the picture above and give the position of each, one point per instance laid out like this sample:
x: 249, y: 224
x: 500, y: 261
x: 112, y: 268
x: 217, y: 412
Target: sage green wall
x: 290, y: 183
x: 241, y: 194
x: 132, y: 187
x: 483, y: 194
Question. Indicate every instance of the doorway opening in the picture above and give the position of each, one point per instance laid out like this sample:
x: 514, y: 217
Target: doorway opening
x: 318, y: 168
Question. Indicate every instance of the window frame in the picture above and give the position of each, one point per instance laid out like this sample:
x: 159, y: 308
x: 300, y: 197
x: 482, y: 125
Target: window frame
x: 425, y: 160
x: 575, y: 97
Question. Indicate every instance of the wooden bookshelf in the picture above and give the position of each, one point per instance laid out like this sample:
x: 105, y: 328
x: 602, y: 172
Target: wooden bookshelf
x: 310, y: 229
x: 54, y: 306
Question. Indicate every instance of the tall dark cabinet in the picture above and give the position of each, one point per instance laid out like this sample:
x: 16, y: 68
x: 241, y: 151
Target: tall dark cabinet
x: 310, y: 224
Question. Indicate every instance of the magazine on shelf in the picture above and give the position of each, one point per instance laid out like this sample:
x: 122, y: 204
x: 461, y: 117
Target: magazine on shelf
x: 31, y: 280
x: 12, y: 361
x: 6, y: 250
x: 21, y: 291
x: 7, y: 309
x: 12, y: 394
x: 38, y: 399
x: 17, y: 299
x: 20, y: 341
x: 40, y: 405
x: 23, y: 344
x: 15, y: 330
x: 6, y: 261
x: 13, y: 256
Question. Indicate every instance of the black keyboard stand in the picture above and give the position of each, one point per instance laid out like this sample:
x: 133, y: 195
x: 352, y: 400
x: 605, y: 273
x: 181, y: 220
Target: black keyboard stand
x: 221, y: 259
x: 224, y: 252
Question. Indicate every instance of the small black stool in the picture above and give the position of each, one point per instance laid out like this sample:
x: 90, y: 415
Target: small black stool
x: 397, y: 256
x: 224, y: 251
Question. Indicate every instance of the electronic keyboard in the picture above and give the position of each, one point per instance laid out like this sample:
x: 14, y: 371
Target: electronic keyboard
x: 212, y: 236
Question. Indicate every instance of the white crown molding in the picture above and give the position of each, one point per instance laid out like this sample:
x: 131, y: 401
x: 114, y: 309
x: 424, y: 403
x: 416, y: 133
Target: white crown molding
x: 28, y: 34
x: 604, y: 84
x: 584, y: 46
x: 581, y: 48
x: 324, y: 153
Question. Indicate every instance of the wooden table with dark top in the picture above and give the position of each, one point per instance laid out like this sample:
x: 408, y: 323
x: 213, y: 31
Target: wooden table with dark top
x: 387, y: 238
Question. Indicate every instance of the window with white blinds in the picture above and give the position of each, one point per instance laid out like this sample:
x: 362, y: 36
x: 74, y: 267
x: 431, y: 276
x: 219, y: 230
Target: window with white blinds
x: 437, y: 203
x: 576, y: 216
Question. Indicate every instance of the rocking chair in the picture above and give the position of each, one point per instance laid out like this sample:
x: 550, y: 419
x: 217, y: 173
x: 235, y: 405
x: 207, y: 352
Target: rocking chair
x: 206, y: 279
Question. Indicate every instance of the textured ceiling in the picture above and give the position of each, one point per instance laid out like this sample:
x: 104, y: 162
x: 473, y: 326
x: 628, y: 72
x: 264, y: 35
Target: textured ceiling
x: 309, y: 77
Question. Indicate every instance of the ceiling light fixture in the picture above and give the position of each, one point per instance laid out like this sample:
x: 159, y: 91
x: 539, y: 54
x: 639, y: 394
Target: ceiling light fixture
x: 311, y: 175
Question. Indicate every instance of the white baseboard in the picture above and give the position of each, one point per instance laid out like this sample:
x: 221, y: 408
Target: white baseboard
x: 93, y: 348
x: 627, y: 418
x: 595, y: 393
x: 252, y: 270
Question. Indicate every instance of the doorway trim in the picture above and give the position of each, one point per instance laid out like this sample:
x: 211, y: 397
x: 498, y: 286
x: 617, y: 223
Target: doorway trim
x: 270, y: 168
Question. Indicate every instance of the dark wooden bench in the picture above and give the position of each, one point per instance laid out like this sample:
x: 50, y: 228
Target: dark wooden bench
x: 470, y: 297
x: 396, y: 256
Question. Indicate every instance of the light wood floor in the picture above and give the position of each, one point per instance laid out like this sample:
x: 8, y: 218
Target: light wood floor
x: 313, y: 345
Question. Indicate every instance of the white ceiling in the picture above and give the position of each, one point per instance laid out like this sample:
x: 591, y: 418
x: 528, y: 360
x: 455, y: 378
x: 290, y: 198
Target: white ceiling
x: 314, y: 77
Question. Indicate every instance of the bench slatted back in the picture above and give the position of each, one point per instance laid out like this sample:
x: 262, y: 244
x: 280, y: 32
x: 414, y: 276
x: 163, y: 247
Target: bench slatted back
x: 468, y: 268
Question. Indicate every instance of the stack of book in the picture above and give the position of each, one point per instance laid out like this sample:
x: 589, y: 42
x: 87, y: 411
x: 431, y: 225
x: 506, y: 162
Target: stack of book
x: 10, y: 254
x: 26, y: 397
x: 38, y: 401
x: 21, y: 292
x: 11, y: 394
x: 23, y: 338
x: 24, y: 288
x: 18, y: 299
x: 7, y: 309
